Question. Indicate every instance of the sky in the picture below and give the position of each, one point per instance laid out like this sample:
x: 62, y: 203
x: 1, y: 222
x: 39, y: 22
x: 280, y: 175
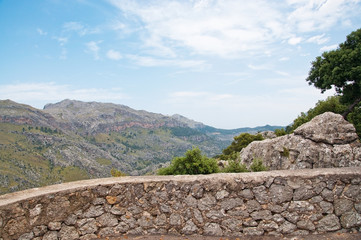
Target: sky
x: 225, y: 63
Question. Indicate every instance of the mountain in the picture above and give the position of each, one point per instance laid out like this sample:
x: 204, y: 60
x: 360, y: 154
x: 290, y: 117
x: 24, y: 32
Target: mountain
x: 73, y: 140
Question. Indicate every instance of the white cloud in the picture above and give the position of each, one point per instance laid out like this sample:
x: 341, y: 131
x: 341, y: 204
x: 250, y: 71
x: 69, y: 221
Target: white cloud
x: 79, y: 28
x: 228, y: 28
x: 282, y: 59
x: 314, y: 15
x: 38, y: 94
x: 294, y: 40
x: 93, y: 48
x: 147, y: 61
x: 319, y: 39
x: 114, y: 55
x: 328, y: 48
x: 41, y: 32
x: 61, y: 40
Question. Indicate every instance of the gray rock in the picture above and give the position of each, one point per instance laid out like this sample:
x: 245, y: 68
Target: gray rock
x: 51, y: 235
x: 191, y: 201
x: 303, y: 194
x: 247, y: 194
x: 252, y: 206
x: 160, y: 220
x: 88, y: 237
x: 87, y: 226
x: 26, y: 236
x: 231, y: 203
x: 335, y: 129
x: 300, y: 206
x: 93, y: 211
x: 353, y: 191
x: 268, y: 225
x: 280, y: 194
x: 122, y: 227
x: 71, y: 219
x: 324, y: 142
x: 287, y: 227
x: 54, y: 226
x: 198, y: 216
x: 234, y: 225
x: 342, y: 205
x: 107, y: 220
x: 263, y: 214
x: 351, y: 219
x: 175, y: 219
x: 328, y: 223
x: 213, y: 229
x: 197, y: 191
x: 253, y: 231
x: 221, y: 194
x: 189, y: 228
x: 261, y: 194
x: 40, y: 230
x: 326, y: 207
x: 68, y: 233
x: 306, y: 225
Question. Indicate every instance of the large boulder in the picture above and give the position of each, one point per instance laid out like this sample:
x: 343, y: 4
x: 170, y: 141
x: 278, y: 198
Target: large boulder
x: 327, y: 141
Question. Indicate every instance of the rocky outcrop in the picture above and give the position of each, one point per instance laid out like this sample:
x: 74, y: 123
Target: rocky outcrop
x: 326, y: 141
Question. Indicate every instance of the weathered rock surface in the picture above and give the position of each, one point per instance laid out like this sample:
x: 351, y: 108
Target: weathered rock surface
x: 327, y: 141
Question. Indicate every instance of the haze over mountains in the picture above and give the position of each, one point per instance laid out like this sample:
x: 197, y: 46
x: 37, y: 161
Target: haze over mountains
x: 73, y: 140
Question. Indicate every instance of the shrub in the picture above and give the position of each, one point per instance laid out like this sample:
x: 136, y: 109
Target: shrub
x: 235, y: 167
x: 116, y: 173
x: 192, y: 163
x: 257, y: 165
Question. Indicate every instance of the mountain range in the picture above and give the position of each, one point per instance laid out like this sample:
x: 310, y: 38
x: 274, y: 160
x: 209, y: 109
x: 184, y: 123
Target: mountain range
x: 73, y: 140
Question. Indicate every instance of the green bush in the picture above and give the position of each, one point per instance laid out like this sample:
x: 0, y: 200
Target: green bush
x: 257, y: 165
x: 235, y: 167
x: 192, y: 163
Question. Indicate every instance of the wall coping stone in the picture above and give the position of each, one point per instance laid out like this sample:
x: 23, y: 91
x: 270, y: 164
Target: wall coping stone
x: 255, y: 177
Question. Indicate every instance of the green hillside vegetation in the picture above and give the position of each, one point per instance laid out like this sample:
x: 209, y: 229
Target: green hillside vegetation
x: 21, y: 158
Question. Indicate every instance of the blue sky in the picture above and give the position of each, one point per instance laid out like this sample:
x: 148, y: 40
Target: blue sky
x: 225, y: 63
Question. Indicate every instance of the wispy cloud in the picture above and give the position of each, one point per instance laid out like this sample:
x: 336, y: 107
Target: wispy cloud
x: 38, y: 94
x: 148, y: 61
x: 41, y: 32
x: 79, y: 28
x: 328, y: 48
x: 231, y: 28
x: 93, y: 48
x: 61, y: 40
x: 114, y: 55
x: 319, y: 39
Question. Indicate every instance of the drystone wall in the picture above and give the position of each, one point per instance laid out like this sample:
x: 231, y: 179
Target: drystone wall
x: 296, y: 202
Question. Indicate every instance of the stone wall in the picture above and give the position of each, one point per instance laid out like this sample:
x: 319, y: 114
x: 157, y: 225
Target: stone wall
x: 288, y: 202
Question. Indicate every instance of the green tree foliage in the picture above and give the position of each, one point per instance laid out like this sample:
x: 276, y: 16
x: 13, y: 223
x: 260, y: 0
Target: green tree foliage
x: 280, y: 132
x: 192, y: 163
x: 238, y: 144
x: 341, y: 69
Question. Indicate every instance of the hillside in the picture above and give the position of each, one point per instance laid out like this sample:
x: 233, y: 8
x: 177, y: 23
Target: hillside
x: 73, y: 140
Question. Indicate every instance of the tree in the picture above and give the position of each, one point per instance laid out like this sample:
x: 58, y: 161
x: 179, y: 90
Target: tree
x: 341, y: 69
x: 192, y: 163
x: 241, y: 141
